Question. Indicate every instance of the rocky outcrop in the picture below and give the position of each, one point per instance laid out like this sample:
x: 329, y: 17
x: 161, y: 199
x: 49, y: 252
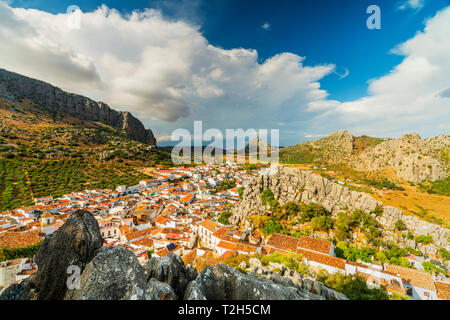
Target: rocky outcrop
x: 73, y: 244
x: 289, y: 184
x: 113, y: 274
x: 160, y: 290
x: 171, y: 270
x: 413, y: 158
x: 221, y: 282
x: 15, y: 86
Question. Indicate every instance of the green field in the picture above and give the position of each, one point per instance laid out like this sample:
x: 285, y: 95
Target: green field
x: 21, y: 180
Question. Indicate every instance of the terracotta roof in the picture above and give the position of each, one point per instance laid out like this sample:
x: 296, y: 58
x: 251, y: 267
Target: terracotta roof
x: 323, y: 259
x: 16, y: 239
x: 209, y: 225
x: 187, y: 198
x: 164, y: 251
x: 443, y: 290
x: 226, y: 245
x: 283, y: 242
x: 161, y: 219
x: 146, y: 242
x: 221, y: 233
x: 139, y: 233
x: 246, y: 247
x: 318, y: 245
x: 414, y: 277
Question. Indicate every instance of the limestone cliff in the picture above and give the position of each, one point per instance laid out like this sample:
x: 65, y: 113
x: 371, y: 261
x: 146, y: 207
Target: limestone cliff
x: 14, y: 86
x: 289, y: 184
x: 413, y: 158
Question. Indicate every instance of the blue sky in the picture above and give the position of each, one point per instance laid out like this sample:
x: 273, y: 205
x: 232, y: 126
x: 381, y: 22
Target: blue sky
x: 324, y: 32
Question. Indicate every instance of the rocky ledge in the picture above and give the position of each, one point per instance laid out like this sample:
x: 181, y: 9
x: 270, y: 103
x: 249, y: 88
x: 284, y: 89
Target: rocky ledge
x: 114, y: 273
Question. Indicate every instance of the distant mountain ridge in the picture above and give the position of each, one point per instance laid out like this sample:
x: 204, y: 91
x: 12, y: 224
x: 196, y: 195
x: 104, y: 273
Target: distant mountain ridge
x: 16, y: 86
x: 413, y: 158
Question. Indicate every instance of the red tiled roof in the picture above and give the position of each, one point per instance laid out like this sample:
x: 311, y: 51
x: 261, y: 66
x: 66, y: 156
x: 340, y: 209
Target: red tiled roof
x: 323, y: 259
x: 415, y: 277
x: 16, y: 239
x: 314, y: 244
x: 283, y: 242
x: 209, y: 225
x: 443, y: 290
x: 227, y: 245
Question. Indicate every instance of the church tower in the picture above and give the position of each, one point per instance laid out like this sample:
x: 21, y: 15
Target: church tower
x: 48, y: 224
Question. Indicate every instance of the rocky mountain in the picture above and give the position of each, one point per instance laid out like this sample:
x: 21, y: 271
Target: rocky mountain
x: 15, y: 87
x: 289, y: 184
x: 257, y: 145
x: 114, y: 273
x: 336, y: 147
x: 412, y: 158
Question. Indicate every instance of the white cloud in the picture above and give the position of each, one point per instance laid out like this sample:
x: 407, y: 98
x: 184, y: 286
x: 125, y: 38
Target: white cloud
x: 266, y: 26
x: 411, y: 4
x: 315, y: 135
x: 413, y: 96
x: 343, y: 75
x: 159, y: 68
x: 168, y: 71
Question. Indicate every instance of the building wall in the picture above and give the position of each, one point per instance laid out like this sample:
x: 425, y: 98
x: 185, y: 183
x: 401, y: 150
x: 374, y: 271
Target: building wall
x: 7, y: 276
x: 419, y: 293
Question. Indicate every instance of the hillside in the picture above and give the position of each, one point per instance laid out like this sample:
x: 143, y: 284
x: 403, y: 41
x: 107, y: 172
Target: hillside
x: 337, y: 147
x: 299, y: 202
x: 60, y: 104
x: 410, y: 173
x: 49, y: 146
x: 412, y: 158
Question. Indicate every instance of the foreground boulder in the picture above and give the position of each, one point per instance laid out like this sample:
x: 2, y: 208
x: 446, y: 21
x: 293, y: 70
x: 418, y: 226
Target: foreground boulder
x: 221, y: 282
x: 113, y: 274
x: 160, y: 290
x: 19, y: 291
x: 170, y: 269
x: 73, y: 244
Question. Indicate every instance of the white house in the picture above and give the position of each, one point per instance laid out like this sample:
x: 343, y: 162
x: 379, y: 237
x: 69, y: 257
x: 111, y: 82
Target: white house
x: 121, y: 189
x: 418, y: 284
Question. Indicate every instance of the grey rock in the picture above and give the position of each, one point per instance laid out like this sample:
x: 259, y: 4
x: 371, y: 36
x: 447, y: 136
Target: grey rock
x: 221, y: 282
x: 19, y: 291
x: 170, y: 269
x: 113, y: 274
x: 160, y: 290
x: 73, y: 244
x: 255, y: 263
x: 194, y: 292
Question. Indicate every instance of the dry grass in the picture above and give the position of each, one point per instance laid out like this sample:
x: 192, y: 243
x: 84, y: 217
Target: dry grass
x: 412, y: 201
